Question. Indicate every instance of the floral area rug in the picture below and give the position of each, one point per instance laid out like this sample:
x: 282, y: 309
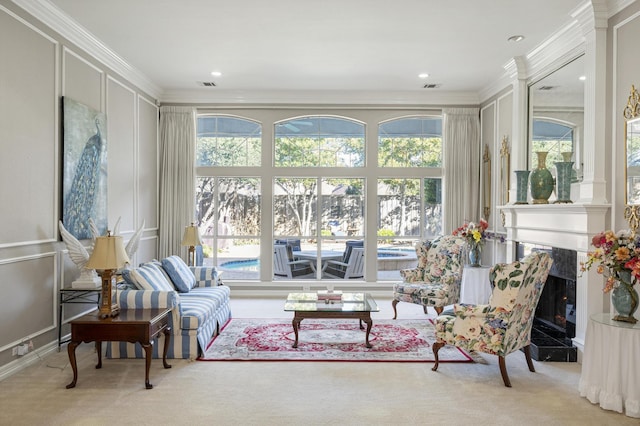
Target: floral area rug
x: 328, y: 340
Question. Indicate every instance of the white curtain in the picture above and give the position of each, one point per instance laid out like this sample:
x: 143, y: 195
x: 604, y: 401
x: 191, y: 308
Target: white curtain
x: 177, y: 176
x: 462, y: 157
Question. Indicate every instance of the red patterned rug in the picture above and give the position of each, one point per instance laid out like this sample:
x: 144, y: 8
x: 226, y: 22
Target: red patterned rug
x: 328, y: 340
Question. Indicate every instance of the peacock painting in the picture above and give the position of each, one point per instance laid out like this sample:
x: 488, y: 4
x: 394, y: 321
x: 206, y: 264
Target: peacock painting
x: 85, y: 169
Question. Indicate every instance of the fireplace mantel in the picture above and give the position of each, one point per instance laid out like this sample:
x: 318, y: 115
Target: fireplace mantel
x: 567, y: 226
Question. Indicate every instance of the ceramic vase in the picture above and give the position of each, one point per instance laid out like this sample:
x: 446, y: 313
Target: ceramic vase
x: 522, y: 185
x: 475, y: 252
x: 563, y: 181
x: 541, y: 181
x: 625, y: 301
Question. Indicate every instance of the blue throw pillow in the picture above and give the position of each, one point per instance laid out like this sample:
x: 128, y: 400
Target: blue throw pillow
x: 179, y: 272
x: 150, y: 277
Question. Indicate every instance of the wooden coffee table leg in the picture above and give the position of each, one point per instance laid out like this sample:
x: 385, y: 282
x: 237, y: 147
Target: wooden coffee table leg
x: 296, y: 326
x: 369, y: 325
x: 71, y: 350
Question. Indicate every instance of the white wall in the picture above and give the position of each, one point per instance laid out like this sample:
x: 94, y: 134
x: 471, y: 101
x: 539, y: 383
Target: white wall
x: 38, y: 67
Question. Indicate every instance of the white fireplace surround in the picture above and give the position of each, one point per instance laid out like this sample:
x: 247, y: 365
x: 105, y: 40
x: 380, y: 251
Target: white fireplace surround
x: 567, y: 226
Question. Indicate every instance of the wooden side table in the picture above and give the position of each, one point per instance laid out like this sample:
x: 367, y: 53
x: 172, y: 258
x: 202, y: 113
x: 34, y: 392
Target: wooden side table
x: 131, y: 325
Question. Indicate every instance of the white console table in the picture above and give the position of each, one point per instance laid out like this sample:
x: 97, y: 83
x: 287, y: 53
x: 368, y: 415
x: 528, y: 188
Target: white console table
x: 475, y: 288
x: 610, y: 374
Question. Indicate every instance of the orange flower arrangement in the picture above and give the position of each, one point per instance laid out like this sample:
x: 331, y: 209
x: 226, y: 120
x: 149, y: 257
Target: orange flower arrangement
x: 616, y: 256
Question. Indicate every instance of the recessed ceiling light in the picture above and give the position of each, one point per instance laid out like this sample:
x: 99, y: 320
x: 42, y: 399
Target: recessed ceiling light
x: 582, y: 78
x: 216, y: 73
x: 423, y: 75
x: 516, y: 38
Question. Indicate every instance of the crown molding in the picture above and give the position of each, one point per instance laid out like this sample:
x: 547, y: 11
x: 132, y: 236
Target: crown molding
x: 401, y: 98
x: 615, y: 6
x: 57, y: 20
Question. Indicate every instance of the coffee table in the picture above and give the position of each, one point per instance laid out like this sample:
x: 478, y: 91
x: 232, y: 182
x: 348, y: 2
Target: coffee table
x: 350, y: 306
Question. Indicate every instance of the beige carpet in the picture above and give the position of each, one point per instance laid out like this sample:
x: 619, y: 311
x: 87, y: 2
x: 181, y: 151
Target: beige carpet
x: 297, y: 393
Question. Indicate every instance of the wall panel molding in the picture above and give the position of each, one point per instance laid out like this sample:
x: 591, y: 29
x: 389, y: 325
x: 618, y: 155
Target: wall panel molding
x: 55, y: 18
x: 40, y: 56
x: 31, y: 331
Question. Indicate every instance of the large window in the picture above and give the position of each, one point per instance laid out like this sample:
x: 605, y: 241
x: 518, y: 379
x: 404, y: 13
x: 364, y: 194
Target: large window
x: 318, y: 178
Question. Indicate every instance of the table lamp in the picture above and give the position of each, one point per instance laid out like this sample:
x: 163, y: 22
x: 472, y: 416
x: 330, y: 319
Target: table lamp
x: 108, y: 256
x: 191, y: 239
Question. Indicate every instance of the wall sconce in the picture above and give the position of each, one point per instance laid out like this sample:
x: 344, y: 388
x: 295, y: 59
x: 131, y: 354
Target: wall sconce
x: 108, y: 256
x: 191, y: 239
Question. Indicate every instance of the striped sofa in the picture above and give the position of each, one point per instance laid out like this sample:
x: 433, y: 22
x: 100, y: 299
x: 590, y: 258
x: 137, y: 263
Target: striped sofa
x: 198, y: 299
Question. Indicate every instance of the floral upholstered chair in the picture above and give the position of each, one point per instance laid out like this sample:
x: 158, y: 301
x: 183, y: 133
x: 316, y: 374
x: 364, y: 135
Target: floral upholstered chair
x: 436, y: 280
x: 503, y: 325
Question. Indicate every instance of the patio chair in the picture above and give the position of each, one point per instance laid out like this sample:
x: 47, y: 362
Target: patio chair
x: 285, y: 265
x: 503, y: 325
x: 436, y: 280
x: 353, y: 268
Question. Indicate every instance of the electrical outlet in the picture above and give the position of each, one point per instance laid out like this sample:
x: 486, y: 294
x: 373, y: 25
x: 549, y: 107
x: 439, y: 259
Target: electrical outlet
x: 21, y: 350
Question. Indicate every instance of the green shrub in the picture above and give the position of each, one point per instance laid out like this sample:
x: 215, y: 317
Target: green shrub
x: 386, y: 233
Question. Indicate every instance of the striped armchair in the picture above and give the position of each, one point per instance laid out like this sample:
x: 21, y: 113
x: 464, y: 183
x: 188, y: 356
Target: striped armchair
x: 198, y: 314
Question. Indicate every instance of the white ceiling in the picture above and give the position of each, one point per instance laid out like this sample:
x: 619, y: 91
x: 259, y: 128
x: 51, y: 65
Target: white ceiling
x: 320, y: 45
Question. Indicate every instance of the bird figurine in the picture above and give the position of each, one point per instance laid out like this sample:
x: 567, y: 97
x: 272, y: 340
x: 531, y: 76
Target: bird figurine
x: 79, y: 254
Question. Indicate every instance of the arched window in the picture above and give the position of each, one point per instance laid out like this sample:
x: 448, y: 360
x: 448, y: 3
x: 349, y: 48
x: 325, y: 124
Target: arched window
x: 410, y: 142
x: 228, y: 141
x: 305, y: 184
x: 319, y: 142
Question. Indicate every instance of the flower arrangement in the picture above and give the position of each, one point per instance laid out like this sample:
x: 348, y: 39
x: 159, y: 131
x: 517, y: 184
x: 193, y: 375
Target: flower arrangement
x: 474, y: 233
x: 617, y: 257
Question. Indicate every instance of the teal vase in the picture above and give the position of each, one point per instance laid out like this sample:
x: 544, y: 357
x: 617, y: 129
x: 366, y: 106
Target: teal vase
x: 541, y: 181
x: 522, y: 185
x: 563, y: 181
x: 625, y: 301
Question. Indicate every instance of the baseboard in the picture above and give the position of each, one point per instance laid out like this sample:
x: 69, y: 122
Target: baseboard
x: 27, y: 360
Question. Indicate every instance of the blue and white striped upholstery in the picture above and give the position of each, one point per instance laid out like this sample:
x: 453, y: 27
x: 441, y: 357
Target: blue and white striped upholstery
x: 206, y: 276
x: 197, y: 316
x: 181, y: 277
x: 150, y: 277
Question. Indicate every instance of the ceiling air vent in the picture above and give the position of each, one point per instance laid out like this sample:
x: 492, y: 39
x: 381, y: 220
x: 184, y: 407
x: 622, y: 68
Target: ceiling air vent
x: 546, y: 87
x: 207, y: 83
x: 431, y: 86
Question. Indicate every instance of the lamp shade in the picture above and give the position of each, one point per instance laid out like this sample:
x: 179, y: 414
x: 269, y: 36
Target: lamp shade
x: 108, y: 253
x: 191, y: 236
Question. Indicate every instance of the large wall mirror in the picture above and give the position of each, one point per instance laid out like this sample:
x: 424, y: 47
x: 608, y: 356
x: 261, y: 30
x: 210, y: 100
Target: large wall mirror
x: 556, y: 116
x: 632, y: 154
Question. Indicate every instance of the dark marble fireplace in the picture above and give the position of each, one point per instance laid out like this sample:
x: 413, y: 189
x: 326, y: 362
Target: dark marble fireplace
x: 554, y: 324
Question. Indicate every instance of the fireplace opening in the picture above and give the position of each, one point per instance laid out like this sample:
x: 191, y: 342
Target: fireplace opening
x: 554, y: 323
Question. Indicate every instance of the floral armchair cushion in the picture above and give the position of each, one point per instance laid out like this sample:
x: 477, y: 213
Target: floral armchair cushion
x: 417, y: 273
x: 436, y: 280
x: 504, y: 324
x: 436, y: 259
